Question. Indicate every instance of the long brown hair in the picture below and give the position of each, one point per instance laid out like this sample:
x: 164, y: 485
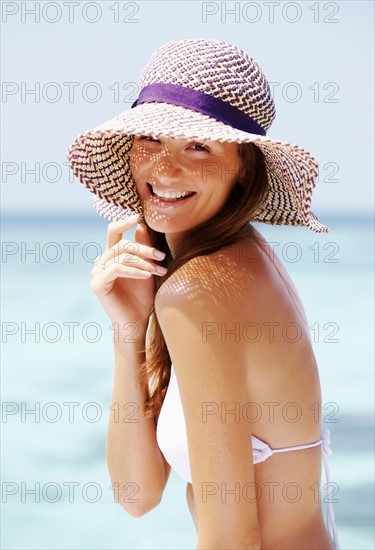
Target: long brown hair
x: 228, y: 226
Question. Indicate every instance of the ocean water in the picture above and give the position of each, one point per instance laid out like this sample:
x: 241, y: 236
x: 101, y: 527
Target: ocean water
x: 57, y: 370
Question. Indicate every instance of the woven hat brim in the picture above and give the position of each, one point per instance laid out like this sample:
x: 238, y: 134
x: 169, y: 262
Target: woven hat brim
x: 292, y: 173
x: 169, y: 120
x: 99, y: 158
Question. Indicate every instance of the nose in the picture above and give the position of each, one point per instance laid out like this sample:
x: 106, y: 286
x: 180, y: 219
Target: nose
x: 166, y: 167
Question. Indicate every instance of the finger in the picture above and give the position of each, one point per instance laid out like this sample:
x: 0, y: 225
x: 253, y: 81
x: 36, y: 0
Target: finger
x: 132, y: 260
x: 129, y: 260
x: 141, y: 235
x: 116, y: 229
x: 127, y: 252
x: 131, y: 247
x: 116, y: 271
x: 98, y: 283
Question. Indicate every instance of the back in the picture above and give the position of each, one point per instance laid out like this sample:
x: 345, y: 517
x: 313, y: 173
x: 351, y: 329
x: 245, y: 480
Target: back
x: 246, y: 307
x: 284, y: 398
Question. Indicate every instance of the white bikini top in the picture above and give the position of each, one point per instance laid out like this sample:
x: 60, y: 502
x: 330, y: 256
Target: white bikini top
x: 172, y: 440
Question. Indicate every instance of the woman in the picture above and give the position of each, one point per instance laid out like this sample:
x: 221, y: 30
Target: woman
x: 214, y: 367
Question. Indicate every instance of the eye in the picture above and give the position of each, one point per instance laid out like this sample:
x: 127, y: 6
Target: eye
x: 147, y: 138
x: 200, y: 147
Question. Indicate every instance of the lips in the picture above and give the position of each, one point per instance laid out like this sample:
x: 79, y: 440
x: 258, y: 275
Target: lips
x: 157, y: 199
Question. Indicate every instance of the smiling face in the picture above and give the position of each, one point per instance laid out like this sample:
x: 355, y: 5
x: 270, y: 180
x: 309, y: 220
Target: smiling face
x: 182, y: 183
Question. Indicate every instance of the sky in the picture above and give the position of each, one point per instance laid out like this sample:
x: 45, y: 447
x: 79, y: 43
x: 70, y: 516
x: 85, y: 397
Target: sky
x: 83, y: 61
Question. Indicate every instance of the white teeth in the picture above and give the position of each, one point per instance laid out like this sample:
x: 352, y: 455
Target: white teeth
x: 171, y: 194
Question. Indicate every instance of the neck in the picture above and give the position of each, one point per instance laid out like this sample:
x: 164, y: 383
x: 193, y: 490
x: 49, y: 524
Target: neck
x: 173, y: 240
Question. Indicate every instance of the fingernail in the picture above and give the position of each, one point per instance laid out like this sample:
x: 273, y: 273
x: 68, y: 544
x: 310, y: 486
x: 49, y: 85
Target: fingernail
x: 160, y: 269
x: 145, y: 274
x: 159, y: 255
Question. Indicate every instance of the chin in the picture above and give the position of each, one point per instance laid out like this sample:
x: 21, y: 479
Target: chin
x: 164, y: 226
x: 163, y: 223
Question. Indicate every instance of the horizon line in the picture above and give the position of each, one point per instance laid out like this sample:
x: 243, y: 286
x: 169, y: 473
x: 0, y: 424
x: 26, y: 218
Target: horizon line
x: 94, y: 217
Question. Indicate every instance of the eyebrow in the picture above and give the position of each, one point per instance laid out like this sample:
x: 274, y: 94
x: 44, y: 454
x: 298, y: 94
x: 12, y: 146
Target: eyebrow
x: 217, y: 145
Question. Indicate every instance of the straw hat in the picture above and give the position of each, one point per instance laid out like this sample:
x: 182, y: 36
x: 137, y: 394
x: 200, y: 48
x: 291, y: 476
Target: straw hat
x: 201, y: 89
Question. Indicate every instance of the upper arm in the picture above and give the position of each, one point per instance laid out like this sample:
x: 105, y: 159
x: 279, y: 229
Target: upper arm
x: 212, y: 380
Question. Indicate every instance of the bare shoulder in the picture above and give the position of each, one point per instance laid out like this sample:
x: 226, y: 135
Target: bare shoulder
x: 223, y: 280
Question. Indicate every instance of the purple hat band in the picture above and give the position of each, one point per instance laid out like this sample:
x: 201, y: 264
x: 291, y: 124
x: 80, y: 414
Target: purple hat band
x: 201, y: 102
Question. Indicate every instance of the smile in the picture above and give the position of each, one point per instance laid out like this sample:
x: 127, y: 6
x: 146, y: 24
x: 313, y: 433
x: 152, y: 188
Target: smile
x: 169, y: 196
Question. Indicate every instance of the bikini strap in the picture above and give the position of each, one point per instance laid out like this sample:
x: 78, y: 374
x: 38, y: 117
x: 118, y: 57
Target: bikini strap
x: 298, y: 447
x: 331, y: 525
x: 264, y: 453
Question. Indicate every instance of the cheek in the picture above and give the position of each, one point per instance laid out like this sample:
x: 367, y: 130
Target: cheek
x: 220, y: 187
x: 138, y: 168
x: 214, y: 197
x: 133, y: 164
x: 220, y: 173
x: 139, y: 161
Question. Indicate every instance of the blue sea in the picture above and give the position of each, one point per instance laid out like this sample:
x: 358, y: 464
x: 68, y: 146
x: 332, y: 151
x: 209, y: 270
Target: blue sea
x: 57, y: 371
